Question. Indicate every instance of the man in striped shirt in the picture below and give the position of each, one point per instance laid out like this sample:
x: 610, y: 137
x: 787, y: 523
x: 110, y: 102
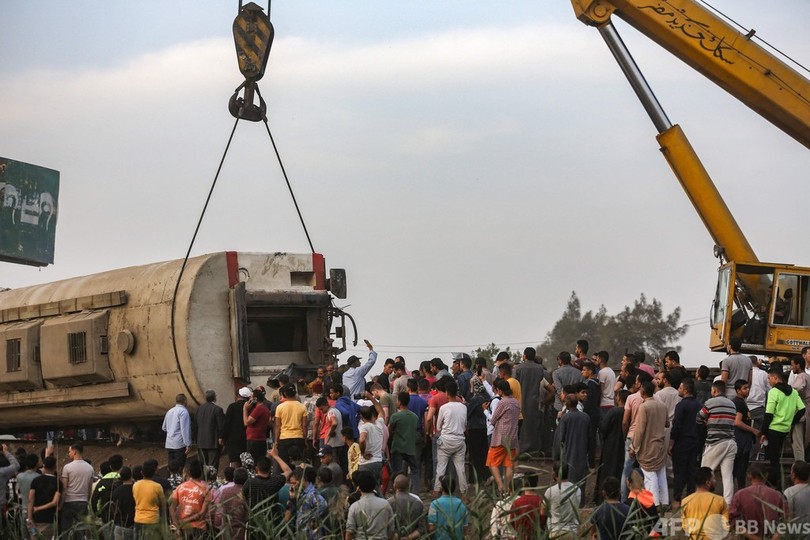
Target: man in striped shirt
x: 718, y: 413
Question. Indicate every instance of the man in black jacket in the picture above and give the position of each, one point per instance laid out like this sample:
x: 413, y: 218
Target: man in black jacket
x: 685, y: 441
x: 233, y: 433
x: 210, y: 423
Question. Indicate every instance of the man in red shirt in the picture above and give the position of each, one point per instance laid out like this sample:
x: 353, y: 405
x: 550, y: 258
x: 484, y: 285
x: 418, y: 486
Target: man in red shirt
x: 256, y: 417
x: 525, y: 517
x: 757, y: 504
x: 434, y: 403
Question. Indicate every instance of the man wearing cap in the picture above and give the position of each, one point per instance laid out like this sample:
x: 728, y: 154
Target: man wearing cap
x: 234, y: 431
x: 354, y: 378
x: 328, y: 461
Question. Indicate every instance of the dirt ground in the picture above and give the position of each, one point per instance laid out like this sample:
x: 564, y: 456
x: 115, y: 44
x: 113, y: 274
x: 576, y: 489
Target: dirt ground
x: 98, y: 452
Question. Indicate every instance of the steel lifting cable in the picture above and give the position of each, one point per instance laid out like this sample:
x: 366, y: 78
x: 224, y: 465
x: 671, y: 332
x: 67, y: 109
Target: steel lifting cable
x: 286, y: 179
x: 200, y: 220
x: 185, y: 261
x: 754, y: 35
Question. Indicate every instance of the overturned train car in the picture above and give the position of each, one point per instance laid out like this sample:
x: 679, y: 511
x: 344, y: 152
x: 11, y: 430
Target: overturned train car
x: 118, y: 346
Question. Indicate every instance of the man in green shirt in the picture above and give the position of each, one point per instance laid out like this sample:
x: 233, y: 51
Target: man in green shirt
x: 783, y: 409
x: 402, y: 427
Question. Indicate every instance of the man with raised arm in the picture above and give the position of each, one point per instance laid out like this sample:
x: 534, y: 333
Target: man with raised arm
x: 354, y: 377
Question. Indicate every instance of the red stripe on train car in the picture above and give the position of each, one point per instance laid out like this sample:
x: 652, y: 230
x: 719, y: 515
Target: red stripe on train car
x: 319, y: 267
x: 232, y: 262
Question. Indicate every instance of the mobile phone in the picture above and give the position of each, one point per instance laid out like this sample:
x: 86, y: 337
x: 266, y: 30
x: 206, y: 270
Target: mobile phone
x: 49, y: 443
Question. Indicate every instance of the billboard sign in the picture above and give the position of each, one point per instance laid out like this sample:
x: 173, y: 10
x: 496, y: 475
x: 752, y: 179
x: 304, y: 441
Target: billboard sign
x: 29, y: 197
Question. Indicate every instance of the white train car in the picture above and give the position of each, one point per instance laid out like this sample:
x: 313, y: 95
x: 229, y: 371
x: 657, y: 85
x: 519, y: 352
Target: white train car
x: 118, y: 346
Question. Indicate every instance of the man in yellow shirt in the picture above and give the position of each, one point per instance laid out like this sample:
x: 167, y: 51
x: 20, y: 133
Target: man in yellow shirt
x: 704, y: 514
x: 150, y: 504
x: 290, y: 423
x: 353, y: 453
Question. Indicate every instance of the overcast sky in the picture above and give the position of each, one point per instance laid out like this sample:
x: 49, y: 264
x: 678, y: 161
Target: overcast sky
x: 469, y: 163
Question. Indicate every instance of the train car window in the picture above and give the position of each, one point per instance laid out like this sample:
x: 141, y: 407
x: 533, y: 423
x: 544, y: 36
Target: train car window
x: 302, y: 279
x: 77, y: 347
x: 13, y: 356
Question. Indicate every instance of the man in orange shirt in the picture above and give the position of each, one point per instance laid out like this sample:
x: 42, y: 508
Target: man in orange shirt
x: 189, y: 502
x: 291, y: 423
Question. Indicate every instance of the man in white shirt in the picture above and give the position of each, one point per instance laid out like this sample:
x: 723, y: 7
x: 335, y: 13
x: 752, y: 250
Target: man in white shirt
x: 77, y: 483
x: 801, y: 383
x: 372, y: 440
x: 561, y: 505
x: 759, y: 392
x: 450, y: 426
x: 607, y: 381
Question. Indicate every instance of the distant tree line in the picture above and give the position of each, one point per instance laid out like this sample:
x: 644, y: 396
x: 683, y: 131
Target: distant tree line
x: 640, y: 327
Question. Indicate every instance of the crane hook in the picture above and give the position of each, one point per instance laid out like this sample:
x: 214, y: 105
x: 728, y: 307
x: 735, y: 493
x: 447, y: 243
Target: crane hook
x: 253, y: 36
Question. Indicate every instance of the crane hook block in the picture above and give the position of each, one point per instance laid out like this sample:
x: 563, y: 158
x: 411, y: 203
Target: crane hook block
x: 253, y: 35
x: 244, y: 108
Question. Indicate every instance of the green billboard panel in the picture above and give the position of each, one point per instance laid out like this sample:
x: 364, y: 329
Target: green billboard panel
x: 28, y: 207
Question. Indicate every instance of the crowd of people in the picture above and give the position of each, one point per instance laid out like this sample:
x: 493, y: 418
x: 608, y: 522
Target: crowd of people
x: 402, y: 454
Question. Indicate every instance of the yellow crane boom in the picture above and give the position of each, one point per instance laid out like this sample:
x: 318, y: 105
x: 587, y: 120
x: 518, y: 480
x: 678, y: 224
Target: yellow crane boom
x: 766, y: 305
x: 731, y: 59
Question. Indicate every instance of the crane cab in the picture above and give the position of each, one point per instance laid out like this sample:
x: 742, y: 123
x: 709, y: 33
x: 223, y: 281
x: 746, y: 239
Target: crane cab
x: 767, y: 305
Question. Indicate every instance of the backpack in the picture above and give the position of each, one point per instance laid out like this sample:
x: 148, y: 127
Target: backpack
x: 349, y: 413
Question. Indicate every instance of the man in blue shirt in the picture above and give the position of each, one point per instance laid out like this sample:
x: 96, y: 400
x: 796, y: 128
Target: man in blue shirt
x: 448, y: 518
x: 417, y: 405
x: 177, y: 425
x: 354, y: 378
